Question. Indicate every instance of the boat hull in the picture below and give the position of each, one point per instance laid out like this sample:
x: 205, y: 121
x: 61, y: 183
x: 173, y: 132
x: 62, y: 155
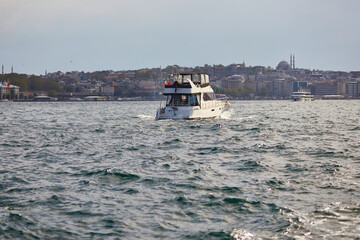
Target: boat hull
x: 303, y: 100
x: 189, y: 113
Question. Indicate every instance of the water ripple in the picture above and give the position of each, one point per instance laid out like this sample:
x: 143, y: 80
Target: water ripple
x: 266, y: 170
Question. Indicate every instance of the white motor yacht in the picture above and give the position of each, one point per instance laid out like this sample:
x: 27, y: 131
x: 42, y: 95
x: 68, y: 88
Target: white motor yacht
x: 190, y: 96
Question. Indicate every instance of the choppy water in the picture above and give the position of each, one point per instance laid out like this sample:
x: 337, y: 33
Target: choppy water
x: 265, y: 170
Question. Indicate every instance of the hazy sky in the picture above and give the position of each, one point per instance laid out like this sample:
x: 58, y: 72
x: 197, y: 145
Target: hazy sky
x: 90, y: 35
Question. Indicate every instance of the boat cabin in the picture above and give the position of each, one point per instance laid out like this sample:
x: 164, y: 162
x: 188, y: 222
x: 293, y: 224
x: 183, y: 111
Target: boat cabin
x: 176, y: 100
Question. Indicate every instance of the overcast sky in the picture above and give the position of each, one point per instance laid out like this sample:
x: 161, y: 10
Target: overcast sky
x: 90, y: 35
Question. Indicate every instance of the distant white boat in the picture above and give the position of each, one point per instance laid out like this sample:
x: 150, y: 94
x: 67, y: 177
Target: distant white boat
x: 94, y: 98
x: 190, y: 96
x: 302, y: 96
x: 44, y: 98
x: 75, y: 99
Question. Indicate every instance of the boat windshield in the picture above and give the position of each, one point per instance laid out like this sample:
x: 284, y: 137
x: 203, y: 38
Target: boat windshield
x: 209, y: 96
x: 186, y: 78
x: 196, y: 78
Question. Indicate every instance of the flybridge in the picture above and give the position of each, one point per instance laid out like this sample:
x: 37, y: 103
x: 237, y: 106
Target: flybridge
x: 181, y: 80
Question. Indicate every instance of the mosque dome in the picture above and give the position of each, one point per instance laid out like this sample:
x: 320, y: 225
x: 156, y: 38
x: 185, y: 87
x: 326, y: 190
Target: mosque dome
x: 283, y: 65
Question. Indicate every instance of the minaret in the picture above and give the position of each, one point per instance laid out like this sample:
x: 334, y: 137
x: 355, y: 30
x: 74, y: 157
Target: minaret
x: 291, y: 61
x: 2, y: 69
x: 12, y: 69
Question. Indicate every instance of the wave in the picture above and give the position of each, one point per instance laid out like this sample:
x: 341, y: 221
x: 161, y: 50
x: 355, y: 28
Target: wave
x: 333, y: 221
x: 241, y: 234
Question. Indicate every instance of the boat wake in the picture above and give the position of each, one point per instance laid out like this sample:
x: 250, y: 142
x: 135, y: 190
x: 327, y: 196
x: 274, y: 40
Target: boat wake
x: 227, y: 114
x: 142, y: 116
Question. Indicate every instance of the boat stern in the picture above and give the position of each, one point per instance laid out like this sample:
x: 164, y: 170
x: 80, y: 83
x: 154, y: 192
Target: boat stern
x: 170, y: 112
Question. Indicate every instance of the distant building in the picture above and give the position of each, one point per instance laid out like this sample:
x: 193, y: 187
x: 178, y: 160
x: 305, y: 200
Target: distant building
x: 267, y: 84
x: 283, y: 66
x: 353, y: 89
x: 111, y: 78
x: 235, y: 81
x: 355, y: 74
x: 279, y: 88
x: 107, y: 90
x: 121, y: 90
x: 10, y: 92
x: 250, y: 70
x: 327, y: 88
x: 298, y: 85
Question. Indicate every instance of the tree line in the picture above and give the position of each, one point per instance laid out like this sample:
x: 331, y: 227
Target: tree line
x: 32, y: 83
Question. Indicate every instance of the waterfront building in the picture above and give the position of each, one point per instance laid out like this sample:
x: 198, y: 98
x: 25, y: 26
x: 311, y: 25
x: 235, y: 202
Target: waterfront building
x: 353, y: 89
x: 327, y: 88
x: 9, y: 91
x: 279, y: 88
x: 267, y: 84
x: 279, y: 83
x: 342, y: 87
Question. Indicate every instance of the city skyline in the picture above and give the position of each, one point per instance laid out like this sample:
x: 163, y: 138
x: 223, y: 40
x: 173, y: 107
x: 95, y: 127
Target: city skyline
x: 88, y: 36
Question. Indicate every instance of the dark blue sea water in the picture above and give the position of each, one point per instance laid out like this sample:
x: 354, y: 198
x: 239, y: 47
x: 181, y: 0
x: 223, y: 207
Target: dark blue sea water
x: 109, y: 170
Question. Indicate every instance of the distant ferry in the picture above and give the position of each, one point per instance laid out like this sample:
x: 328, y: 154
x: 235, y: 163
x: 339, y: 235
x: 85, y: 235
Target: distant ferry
x: 302, y: 96
x: 75, y: 99
x: 94, y: 98
x: 190, y: 96
x: 44, y: 98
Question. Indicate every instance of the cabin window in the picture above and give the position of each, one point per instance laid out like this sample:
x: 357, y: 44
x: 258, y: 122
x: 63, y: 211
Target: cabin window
x: 193, y: 101
x: 182, y: 100
x: 177, y: 100
x: 186, y: 78
x: 209, y: 96
x: 196, y: 79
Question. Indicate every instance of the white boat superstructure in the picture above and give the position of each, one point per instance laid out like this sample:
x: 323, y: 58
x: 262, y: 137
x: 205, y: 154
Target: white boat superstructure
x: 190, y: 96
x: 302, y: 96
